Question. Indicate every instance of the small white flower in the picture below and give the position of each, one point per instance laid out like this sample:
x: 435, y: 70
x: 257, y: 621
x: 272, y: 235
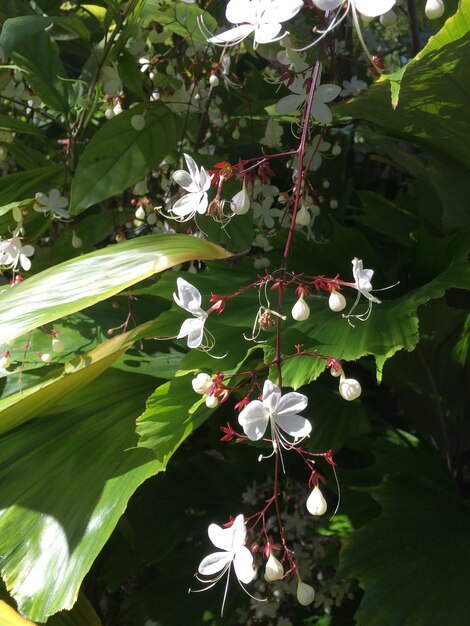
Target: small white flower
x: 336, y: 301
x: 369, y: 8
x: 281, y: 412
x: 362, y: 280
x: 272, y: 134
x: 316, y: 503
x: 274, y: 569
x: 323, y: 94
x: 46, y: 357
x: 353, y: 87
x: 231, y: 543
x: 189, y: 299
x: 300, y: 310
x: 349, y: 388
x: 305, y: 593
x: 13, y: 253
x: 202, y: 383
x: 434, y: 9
x: 196, y: 182
x: 261, y: 17
x: 52, y: 204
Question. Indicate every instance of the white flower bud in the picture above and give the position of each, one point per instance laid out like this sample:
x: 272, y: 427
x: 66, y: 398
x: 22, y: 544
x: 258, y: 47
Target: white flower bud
x: 214, y: 80
x: 76, y: 241
x: 349, y: 388
x: 152, y: 219
x: 57, y: 345
x: 241, y: 202
x: 236, y: 134
x: 305, y: 593
x: 212, y: 401
x: 434, y: 9
x: 336, y: 301
x: 333, y: 204
x: 117, y: 109
x: 303, y: 217
x: 109, y: 113
x: 202, y: 383
x: 274, y: 569
x: 336, y: 150
x: 336, y: 372
x: 140, y: 213
x: 316, y: 503
x: 45, y: 358
x: 5, y: 361
x: 300, y: 310
x: 388, y: 19
x: 326, y: 184
x: 261, y: 263
x: 138, y: 122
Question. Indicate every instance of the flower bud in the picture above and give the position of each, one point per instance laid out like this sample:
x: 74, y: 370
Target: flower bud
x: 140, y: 213
x: 274, y: 569
x: 305, y: 593
x: 214, y: 80
x: 434, y: 9
x: 333, y: 204
x: 316, y: 503
x: 140, y: 188
x: 349, y: 388
x: 336, y: 150
x: 303, y: 217
x: 241, y: 202
x: 212, y: 401
x: 138, y: 122
x: 388, y: 19
x: 109, y: 113
x: 202, y: 383
x: 45, y: 358
x: 5, y: 361
x: 236, y: 134
x: 300, y: 310
x: 76, y: 241
x: 57, y: 345
x: 117, y: 109
x: 336, y: 301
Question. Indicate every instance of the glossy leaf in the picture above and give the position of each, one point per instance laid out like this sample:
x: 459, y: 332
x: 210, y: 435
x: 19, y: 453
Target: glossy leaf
x: 81, y: 282
x: 118, y: 156
x: 86, y: 467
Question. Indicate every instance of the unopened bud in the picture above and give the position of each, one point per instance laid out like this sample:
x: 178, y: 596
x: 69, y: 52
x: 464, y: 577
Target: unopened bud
x: 303, y: 217
x: 212, y: 401
x: 336, y: 301
x: 336, y: 150
x: 202, y: 383
x: 140, y: 213
x: 57, y: 345
x: 236, y: 133
x: 305, y: 593
x: 274, y: 569
x: 76, y: 241
x: 241, y: 202
x: 300, y: 310
x: 316, y: 503
x: 214, y: 80
x: 333, y: 204
x: 434, y: 9
x: 45, y: 358
x: 349, y: 388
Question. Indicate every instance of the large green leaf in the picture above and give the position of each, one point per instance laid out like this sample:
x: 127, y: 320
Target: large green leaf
x: 118, y: 156
x: 413, y: 560
x: 85, y: 465
x: 179, y: 18
x: 21, y: 185
x: 88, y: 279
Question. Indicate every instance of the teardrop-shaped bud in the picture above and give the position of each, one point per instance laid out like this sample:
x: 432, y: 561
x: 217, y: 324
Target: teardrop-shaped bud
x: 202, y: 383
x: 138, y: 122
x: 5, y: 360
x: 305, y: 593
x: 274, y: 569
x: 212, y: 401
x: 316, y: 503
x: 45, y: 358
x: 336, y: 301
x: 388, y: 19
x: 214, y: 80
x: 303, y: 217
x: 76, y: 241
x: 140, y: 213
x: 336, y: 150
x: 240, y: 202
x: 300, y: 310
x: 434, y: 9
x: 349, y: 388
x: 57, y: 345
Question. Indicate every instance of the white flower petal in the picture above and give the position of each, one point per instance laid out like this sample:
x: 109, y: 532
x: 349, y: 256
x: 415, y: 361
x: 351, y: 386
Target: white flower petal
x: 184, y: 180
x: 326, y: 93
x: 239, y: 11
x: 222, y: 538
x: 192, y: 167
x: 328, y: 5
x: 189, y: 297
x: 25, y: 262
x: 289, y: 103
x: 294, y: 425
x: 254, y: 420
x: 290, y: 403
x: 238, y: 529
x: 187, y: 205
x: 214, y: 563
x: 233, y: 34
x: 267, y: 32
x: 271, y: 396
x: 42, y: 199
x: 321, y: 112
x: 283, y: 10
x: 373, y: 8
x: 243, y: 563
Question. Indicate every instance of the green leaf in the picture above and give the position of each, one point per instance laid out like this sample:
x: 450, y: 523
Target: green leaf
x: 86, y: 467
x: 118, y: 156
x: 16, y: 187
x: 423, y: 521
x: 83, y: 281
x: 11, y: 123
x: 180, y: 19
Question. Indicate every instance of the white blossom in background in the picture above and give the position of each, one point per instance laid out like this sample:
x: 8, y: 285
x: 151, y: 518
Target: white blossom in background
x: 196, y: 182
x: 272, y: 134
x: 263, y: 210
x: 52, y: 204
x: 362, y: 280
x: 280, y: 412
x: 353, y: 87
x: 323, y: 94
x: 434, y: 9
x: 315, y: 152
x: 292, y: 58
x: 14, y: 253
x: 368, y: 8
x: 262, y: 17
x: 189, y: 299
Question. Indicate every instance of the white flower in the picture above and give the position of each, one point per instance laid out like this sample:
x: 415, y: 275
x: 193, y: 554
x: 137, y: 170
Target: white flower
x: 189, y: 299
x: 279, y: 412
x: 52, y: 204
x: 5, y: 360
x: 323, y: 93
x: 434, y: 9
x: 362, y: 280
x: 202, y: 383
x: 12, y: 253
x: 305, y: 593
x: 316, y: 503
x: 369, y: 8
x: 231, y: 542
x: 196, y: 182
x: 274, y: 569
x: 261, y: 17
x: 349, y: 388
x: 353, y: 87
x: 272, y: 134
